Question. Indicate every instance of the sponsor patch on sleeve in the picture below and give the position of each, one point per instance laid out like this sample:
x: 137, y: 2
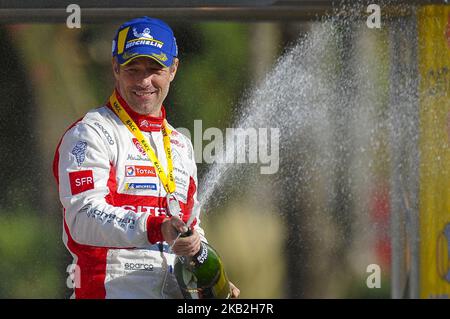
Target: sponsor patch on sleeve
x: 81, y: 181
x: 79, y: 151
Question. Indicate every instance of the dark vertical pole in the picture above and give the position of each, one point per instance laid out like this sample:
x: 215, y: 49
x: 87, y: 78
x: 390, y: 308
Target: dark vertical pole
x: 19, y: 158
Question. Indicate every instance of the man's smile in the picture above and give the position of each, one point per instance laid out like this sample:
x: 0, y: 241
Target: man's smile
x: 144, y: 93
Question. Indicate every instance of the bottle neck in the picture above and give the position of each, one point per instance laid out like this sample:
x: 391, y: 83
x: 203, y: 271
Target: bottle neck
x: 187, y: 234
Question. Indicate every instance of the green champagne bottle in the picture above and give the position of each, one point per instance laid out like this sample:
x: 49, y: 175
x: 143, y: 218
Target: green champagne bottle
x: 203, y: 275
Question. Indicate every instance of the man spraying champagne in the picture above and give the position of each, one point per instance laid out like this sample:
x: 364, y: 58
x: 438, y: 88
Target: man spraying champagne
x: 124, y: 193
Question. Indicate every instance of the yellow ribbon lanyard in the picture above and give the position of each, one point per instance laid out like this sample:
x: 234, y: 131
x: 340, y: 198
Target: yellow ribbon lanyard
x: 168, y: 181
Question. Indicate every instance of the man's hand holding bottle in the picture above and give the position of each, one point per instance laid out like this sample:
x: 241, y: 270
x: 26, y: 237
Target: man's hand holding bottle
x: 184, y: 246
x: 171, y: 229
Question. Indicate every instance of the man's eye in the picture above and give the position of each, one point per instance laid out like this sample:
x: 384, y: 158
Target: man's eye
x: 131, y: 70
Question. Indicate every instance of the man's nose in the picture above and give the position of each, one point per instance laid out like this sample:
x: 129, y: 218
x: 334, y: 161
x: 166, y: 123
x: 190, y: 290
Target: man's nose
x: 146, y: 78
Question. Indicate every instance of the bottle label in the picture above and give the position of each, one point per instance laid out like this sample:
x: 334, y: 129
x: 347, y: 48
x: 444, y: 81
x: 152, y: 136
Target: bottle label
x: 202, y: 255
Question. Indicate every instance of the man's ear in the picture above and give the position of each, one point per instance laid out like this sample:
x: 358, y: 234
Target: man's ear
x: 115, y: 67
x: 173, y: 69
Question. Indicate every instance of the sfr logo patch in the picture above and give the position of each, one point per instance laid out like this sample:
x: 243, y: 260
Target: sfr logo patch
x: 81, y: 181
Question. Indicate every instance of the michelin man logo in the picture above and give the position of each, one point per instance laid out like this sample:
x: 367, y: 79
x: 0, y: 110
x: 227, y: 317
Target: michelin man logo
x: 144, y: 34
x: 79, y: 151
x: 443, y: 253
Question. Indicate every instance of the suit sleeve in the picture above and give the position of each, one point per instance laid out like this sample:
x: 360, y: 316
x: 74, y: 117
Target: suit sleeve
x: 84, y: 167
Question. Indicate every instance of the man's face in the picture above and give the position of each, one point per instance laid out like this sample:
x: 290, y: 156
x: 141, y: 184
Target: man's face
x: 144, y: 83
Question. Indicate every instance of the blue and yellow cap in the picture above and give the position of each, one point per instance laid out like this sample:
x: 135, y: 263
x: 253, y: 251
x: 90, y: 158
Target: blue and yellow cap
x: 145, y: 36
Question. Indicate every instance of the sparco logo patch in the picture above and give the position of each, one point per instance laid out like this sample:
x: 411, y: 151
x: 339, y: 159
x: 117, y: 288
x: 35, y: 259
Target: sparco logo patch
x: 138, y: 266
x: 81, y: 181
x: 106, y: 133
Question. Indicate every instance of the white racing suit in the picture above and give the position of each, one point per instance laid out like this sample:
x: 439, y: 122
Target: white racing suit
x: 114, y: 204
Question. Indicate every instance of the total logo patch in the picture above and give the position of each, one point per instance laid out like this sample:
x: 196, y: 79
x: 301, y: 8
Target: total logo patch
x: 151, y: 186
x: 138, y: 171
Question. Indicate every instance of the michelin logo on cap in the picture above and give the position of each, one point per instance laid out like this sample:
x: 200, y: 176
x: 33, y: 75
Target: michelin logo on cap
x: 147, y: 37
